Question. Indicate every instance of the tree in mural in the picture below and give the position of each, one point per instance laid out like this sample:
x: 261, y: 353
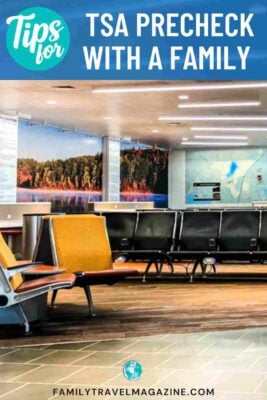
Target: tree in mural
x: 144, y: 171
x: 79, y: 173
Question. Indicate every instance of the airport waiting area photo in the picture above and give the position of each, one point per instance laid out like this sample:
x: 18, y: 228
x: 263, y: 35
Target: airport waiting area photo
x: 133, y: 240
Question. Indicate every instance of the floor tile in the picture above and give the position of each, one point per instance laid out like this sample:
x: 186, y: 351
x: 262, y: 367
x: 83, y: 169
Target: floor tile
x: 31, y: 392
x: 92, y: 376
x: 187, y: 347
x: 153, y: 360
x: 236, y: 364
x: 102, y: 359
x: 238, y: 382
x: 69, y: 346
x: 263, y: 387
x: 187, y: 337
x: 260, y: 335
x: 47, y: 374
x: 111, y: 345
x: 226, y: 348
x: 32, y: 347
x: 8, y: 387
x: 260, y: 364
x: 10, y: 371
x: 243, y: 396
x: 151, y: 346
x: 235, y: 335
x: 258, y: 348
x: 187, y: 362
x: 62, y: 357
x: 22, y: 355
x: 6, y: 350
x: 189, y: 379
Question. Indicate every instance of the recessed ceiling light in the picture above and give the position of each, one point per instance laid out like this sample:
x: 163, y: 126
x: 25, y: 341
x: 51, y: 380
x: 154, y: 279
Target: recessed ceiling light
x: 155, y: 131
x: 107, y: 118
x: 211, y: 118
x: 219, y: 137
x: 177, y: 88
x: 220, y: 105
x: 183, y: 97
x: 51, y: 102
x: 184, y: 139
x: 64, y: 87
x: 217, y: 144
x: 227, y: 129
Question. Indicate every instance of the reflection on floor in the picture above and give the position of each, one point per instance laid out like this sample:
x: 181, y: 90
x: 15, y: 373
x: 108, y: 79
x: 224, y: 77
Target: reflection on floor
x: 234, y: 363
x: 133, y: 308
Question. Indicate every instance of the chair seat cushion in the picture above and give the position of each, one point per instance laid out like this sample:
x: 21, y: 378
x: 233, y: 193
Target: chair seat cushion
x: 63, y: 279
x: 103, y: 277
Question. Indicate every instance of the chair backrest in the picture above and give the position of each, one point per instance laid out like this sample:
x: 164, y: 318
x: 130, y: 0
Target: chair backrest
x: 80, y: 243
x: 237, y: 230
x: 43, y: 250
x: 198, y: 229
x: 121, y: 227
x: 263, y: 232
x: 7, y: 260
x: 154, y: 231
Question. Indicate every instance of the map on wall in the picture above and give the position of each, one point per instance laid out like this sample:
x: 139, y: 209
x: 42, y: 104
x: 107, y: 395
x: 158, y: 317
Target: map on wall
x: 242, y: 175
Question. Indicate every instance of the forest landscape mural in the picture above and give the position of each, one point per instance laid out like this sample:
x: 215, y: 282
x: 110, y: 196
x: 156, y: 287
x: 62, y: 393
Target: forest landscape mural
x: 144, y: 173
x: 63, y: 167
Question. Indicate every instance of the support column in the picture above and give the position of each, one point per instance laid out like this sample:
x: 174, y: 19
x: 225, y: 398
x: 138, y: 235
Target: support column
x: 177, y: 179
x: 8, y: 159
x: 111, y: 169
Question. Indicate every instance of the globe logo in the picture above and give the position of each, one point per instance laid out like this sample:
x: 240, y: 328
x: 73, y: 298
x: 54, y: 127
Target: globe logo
x: 37, y: 38
x: 132, y: 370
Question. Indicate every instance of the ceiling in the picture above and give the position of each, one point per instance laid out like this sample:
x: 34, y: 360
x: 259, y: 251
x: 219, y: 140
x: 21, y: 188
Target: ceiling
x: 134, y: 115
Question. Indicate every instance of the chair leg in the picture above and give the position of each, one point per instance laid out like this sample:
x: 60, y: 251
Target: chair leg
x: 194, y: 270
x: 157, y: 268
x: 53, y: 299
x: 24, y: 319
x: 161, y: 266
x: 170, y: 265
x: 89, y: 298
x: 146, y: 271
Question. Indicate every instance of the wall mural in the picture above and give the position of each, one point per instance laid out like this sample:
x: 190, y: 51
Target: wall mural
x: 226, y: 176
x: 144, y: 174
x: 63, y: 167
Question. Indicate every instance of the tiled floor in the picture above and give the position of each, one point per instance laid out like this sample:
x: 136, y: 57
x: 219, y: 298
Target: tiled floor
x: 234, y: 363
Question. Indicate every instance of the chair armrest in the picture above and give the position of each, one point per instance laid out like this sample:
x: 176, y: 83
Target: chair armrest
x: 11, y: 271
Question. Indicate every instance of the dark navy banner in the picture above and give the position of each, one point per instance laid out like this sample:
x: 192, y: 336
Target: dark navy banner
x: 138, y: 39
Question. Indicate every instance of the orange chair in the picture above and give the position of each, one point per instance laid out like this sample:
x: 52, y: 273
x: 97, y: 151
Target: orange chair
x: 80, y: 245
x: 15, y: 292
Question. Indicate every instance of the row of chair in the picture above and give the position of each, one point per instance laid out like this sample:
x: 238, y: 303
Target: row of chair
x: 79, y: 245
x: 164, y: 237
